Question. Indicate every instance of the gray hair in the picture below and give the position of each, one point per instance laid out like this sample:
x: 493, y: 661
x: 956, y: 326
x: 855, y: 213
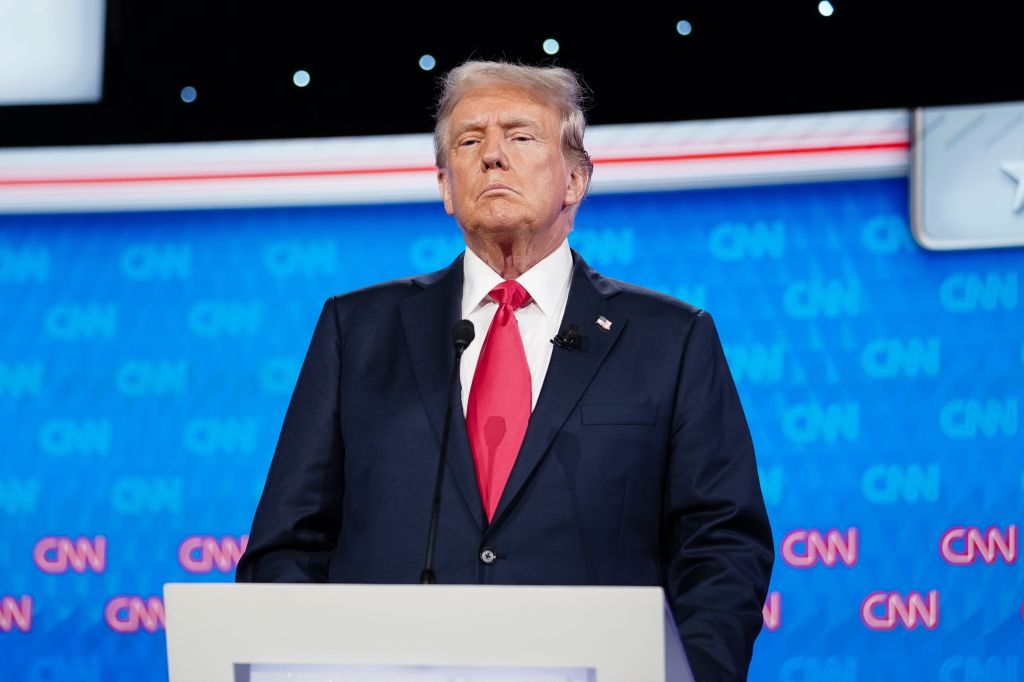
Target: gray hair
x: 555, y: 85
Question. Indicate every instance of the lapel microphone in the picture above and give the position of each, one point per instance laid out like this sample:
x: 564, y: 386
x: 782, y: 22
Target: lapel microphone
x: 568, y: 339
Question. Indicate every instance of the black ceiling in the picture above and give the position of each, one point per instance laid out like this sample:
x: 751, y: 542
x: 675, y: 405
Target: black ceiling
x: 742, y: 59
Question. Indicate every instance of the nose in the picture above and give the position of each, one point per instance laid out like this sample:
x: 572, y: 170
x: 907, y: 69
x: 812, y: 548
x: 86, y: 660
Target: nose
x: 493, y: 153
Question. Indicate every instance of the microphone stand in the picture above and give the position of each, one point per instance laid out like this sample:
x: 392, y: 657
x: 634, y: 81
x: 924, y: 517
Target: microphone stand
x: 462, y: 336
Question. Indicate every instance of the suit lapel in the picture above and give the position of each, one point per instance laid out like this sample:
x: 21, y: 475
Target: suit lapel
x: 428, y: 317
x: 568, y: 375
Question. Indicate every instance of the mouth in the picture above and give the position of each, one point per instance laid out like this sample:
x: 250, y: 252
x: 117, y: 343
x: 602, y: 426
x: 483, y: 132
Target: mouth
x: 496, y: 186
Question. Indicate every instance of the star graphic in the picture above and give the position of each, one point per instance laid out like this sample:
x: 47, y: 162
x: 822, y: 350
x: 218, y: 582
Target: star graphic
x: 1015, y: 169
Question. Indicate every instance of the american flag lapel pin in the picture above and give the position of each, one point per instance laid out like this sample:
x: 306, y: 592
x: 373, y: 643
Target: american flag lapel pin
x: 604, y: 323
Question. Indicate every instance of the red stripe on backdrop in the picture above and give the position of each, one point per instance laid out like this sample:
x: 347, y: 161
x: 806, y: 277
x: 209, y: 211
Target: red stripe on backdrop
x: 338, y: 172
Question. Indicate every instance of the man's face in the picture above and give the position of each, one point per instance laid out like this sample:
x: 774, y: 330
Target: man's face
x: 506, y: 177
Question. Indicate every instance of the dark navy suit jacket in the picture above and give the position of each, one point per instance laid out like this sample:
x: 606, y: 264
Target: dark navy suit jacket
x: 637, y: 467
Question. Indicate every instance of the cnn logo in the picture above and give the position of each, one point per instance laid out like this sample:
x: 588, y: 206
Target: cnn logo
x: 203, y: 553
x: 963, y: 545
x: 805, y: 548
x: 57, y: 554
x: 771, y: 612
x: 886, y: 610
x: 15, y: 613
x: 126, y: 614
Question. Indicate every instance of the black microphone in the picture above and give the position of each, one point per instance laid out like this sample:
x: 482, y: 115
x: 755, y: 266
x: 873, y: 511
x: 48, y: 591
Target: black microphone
x: 462, y: 336
x: 568, y: 339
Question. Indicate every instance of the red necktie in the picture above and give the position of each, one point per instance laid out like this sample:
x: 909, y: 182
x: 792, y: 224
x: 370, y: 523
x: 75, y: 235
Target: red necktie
x: 500, y: 397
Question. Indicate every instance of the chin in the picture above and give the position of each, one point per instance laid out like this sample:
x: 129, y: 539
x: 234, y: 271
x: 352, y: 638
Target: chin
x: 502, y: 226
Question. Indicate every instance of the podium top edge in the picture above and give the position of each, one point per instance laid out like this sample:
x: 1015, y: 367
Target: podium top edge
x: 368, y: 587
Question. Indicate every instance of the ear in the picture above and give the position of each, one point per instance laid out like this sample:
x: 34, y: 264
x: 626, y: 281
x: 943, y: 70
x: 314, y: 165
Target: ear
x: 445, y: 189
x: 576, y: 188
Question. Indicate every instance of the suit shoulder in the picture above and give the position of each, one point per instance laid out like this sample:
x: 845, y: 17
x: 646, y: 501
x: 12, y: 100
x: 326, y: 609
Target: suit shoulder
x: 664, y: 318
x: 643, y: 301
x: 392, y: 291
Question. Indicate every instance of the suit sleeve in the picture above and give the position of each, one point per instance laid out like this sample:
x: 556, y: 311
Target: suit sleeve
x: 299, y: 514
x: 719, y: 549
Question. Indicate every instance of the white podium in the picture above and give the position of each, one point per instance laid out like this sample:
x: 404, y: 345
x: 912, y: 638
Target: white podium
x: 423, y: 633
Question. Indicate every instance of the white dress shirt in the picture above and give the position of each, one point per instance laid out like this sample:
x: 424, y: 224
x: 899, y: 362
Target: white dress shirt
x: 547, y: 282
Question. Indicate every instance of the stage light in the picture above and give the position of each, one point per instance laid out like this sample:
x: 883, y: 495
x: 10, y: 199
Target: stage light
x: 551, y: 46
x: 825, y: 8
x: 188, y: 94
x: 301, y: 78
x: 683, y: 27
x: 427, y: 62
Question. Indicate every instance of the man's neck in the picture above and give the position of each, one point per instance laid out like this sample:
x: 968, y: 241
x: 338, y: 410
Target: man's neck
x: 512, y: 258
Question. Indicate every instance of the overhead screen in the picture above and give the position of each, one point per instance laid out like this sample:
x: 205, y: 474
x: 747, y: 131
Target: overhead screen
x: 51, y: 51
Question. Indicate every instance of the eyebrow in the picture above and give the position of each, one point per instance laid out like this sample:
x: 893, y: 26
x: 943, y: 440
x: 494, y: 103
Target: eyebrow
x: 506, y: 123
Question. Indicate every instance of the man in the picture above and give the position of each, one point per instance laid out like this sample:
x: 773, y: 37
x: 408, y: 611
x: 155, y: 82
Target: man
x: 620, y: 457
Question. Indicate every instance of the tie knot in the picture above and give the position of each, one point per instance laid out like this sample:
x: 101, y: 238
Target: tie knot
x: 511, y: 293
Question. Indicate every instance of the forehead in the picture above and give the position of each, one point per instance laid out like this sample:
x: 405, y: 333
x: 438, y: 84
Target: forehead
x: 504, y: 105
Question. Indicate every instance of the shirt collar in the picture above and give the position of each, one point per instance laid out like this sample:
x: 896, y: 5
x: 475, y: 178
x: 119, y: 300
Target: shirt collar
x: 545, y: 281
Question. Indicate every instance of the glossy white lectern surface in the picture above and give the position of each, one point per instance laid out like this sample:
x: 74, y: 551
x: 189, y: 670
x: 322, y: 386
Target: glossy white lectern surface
x: 441, y: 633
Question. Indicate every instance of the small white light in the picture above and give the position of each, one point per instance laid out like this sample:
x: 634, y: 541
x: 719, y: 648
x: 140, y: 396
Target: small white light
x: 683, y: 27
x: 188, y: 94
x: 301, y: 78
x: 427, y: 62
x: 551, y: 46
x: 825, y: 8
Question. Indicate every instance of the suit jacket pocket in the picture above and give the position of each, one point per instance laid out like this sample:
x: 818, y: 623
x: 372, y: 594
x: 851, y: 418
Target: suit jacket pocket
x: 638, y: 414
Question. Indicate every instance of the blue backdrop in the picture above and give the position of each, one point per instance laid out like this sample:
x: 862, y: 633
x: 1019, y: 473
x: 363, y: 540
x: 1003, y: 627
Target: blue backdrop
x: 146, y: 361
